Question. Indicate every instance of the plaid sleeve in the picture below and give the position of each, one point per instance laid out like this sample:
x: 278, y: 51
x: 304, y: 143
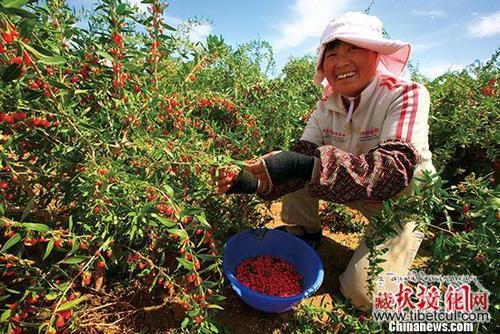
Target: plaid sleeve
x: 304, y: 147
x: 377, y: 175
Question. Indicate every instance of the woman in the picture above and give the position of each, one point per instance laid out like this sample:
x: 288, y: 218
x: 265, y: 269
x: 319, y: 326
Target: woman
x: 365, y: 143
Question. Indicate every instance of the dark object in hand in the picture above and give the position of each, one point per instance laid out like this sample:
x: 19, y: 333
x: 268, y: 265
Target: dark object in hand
x: 287, y: 165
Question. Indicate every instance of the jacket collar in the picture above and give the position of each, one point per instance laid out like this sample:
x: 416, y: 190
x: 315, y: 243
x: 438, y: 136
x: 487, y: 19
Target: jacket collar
x: 337, y: 103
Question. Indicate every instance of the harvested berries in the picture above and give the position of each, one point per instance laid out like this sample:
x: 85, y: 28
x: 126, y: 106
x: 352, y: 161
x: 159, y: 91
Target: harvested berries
x: 270, y: 275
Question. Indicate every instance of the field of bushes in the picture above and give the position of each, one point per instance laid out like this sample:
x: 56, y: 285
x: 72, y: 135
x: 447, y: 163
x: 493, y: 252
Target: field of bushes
x: 107, y: 136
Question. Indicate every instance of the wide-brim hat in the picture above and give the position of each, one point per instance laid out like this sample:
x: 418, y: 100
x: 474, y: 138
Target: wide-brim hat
x: 364, y: 31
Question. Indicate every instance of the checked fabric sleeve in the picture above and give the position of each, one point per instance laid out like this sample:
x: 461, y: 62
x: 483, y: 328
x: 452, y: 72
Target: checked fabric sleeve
x: 303, y: 147
x: 377, y: 175
x: 344, y: 177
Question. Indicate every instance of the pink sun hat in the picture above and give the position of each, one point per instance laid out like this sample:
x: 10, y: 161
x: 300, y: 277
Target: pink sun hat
x: 364, y: 31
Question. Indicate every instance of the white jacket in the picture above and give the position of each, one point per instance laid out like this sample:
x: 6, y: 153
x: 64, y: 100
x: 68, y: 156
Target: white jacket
x: 388, y: 109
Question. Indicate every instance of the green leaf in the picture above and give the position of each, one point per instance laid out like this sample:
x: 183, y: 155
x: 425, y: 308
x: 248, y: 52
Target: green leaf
x: 216, y: 298
x: 5, y: 315
x: 163, y: 220
x: 18, y: 12
x: 208, y: 284
x: 132, y: 231
x: 28, y: 208
x: 168, y: 27
x: 5, y: 297
x: 208, y: 257
x: 2, y: 210
x: 43, y: 51
x: 105, y: 55
x: 132, y: 67
x: 58, y: 84
x: 181, y: 233
x: 75, y: 246
x: 27, y: 26
x: 210, y: 268
x: 50, y: 245
x: 121, y: 9
x: 51, y: 296
x: 32, y: 50
x: 184, y: 323
x: 14, y: 3
x: 213, y: 328
x: 11, y: 242
x: 12, y: 72
x: 202, y: 219
x: 55, y: 60
x: 75, y: 259
x: 81, y: 91
x: 8, y: 143
x: 205, y: 330
x: 71, y: 304
x: 185, y: 263
x: 36, y: 227
x: 215, y: 306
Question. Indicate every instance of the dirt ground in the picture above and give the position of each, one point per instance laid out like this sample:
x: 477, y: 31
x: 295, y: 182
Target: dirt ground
x: 335, y: 250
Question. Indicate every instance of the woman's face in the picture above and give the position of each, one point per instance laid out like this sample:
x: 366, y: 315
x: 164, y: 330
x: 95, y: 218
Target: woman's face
x: 348, y: 68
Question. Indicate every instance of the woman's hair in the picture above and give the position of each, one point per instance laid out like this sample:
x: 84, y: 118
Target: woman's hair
x: 332, y: 45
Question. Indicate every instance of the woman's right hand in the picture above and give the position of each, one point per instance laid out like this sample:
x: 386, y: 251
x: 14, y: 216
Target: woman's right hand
x: 259, y: 170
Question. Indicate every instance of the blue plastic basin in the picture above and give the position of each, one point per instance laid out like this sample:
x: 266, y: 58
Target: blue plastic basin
x: 270, y: 242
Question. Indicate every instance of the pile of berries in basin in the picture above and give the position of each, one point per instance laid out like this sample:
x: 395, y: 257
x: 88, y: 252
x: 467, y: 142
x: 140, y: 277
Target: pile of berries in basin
x: 270, y: 276
x: 271, y: 270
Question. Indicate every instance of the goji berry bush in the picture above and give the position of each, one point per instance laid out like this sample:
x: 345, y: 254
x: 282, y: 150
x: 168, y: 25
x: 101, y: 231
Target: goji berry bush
x: 108, y: 132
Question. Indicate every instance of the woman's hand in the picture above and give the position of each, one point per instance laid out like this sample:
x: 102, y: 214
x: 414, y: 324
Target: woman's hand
x: 259, y: 176
x: 229, y: 181
x: 259, y: 171
x: 224, y: 178
x: 279, y: 167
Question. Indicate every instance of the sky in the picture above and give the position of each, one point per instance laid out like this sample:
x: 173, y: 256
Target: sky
x: 445, y: 35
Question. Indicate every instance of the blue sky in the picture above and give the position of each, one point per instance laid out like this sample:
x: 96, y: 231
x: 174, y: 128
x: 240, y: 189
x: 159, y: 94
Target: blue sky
x: 444, y: 34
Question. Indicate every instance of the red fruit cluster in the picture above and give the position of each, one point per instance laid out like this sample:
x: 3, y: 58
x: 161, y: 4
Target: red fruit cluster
x: 9, y: 36
x: 270, y: 275
x: 40, y: 122
x: 224, y: 112
x: 216, y: 102
x: 19, y: 116
x: 11, y: 118
x: 120, y: 76
x: 490, y: 89
x: 166, y: 209
x: 198, y: 319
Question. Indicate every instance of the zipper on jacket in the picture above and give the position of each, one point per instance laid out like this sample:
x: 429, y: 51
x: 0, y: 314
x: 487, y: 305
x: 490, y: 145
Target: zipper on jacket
x: 349, y: 128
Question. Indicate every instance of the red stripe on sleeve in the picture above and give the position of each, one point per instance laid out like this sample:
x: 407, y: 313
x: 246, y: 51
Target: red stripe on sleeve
x: 413, y: 112
x: 399, y: 129
x: 391, y: 80
x: 388, y: 85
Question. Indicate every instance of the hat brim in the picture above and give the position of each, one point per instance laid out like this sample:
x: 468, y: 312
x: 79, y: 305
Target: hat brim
x: 394, y: 54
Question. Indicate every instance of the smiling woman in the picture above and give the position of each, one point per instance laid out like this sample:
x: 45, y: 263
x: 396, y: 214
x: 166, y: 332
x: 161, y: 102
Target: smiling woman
x: 348, y: 68
x: 363, y: 144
